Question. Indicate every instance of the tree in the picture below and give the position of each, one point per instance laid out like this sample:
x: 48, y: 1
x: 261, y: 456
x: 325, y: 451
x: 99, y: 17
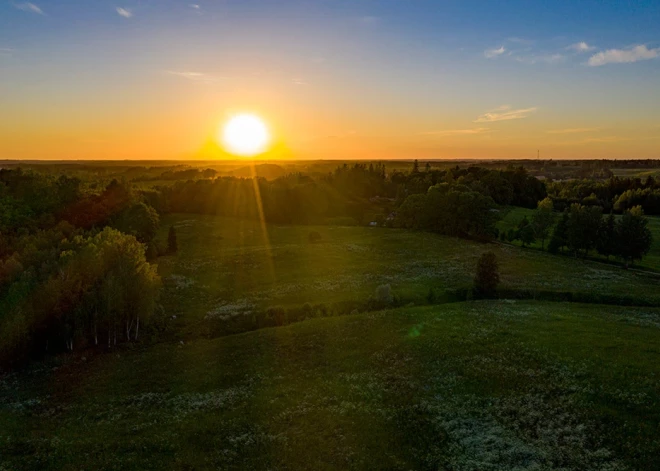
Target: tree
x: 559, y: 238
x: 139, y: 220
x: 415, y: 166
x: 583, y: 225
x: 525, y: 232
x: 172, y: 244
x: 428, y: 167
x: 633, y: 236
x: 606, y: 244
x: 151, y: 252
x: 543, y: 220
x: 487, y: 277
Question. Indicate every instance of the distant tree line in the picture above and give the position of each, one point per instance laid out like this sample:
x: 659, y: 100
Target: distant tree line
x: 613, y: 195
x: 581, y: 229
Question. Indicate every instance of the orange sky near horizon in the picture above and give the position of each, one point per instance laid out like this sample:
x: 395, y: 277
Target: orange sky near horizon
x: 156, y: 82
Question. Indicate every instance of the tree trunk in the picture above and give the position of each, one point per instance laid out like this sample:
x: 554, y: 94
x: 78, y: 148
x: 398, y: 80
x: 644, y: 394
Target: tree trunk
x: 137, y: 328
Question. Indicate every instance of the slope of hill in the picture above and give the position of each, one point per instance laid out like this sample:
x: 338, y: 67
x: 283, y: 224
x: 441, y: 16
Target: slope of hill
x: 479, y: 385
x: 227, y: 268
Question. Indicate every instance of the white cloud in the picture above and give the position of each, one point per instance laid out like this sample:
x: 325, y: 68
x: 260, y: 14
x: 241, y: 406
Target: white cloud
x: 581, y: 47
x: 29, y: 7
x: 125, y: 12
x: 194, y: 6
x: 504, y: 113
x: 571, y: 130
x: 493, y: 53
x: 6, y: 51
x: 622, y: 56
x: 457, y: 132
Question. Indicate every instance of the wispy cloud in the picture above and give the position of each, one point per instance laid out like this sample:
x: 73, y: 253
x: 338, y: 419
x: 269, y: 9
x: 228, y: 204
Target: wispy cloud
x: 504, y: 113
x: 125, y: 12
x: 456, y: 132
x: 493, y: 53
x: 581, y: 47
x: 199, y: 77
x: 6, y: 51
x: 29, y: 7
x: 298, y: 81
x: 571, y: 130
x: 194, y: 6
x: 622, y: 56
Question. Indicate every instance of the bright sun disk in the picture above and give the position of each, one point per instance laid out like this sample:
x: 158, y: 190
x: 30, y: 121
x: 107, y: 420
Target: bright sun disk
x: 246, y: 135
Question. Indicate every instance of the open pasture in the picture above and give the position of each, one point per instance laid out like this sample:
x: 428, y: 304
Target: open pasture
x: 226, y: 267
x: 481, y: 385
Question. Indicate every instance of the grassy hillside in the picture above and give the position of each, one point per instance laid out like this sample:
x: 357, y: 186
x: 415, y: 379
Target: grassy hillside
x: 470, y: 386
x: 226, y: 267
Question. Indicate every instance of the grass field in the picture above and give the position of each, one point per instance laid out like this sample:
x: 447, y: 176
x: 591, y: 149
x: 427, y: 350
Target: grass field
x: 635, y: 172
x: 651, y: 261
x: 226, y: 267
x: 467, y: 386
x: 484, y: 385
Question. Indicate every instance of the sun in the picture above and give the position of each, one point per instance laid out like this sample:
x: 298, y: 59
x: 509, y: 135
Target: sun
x: 245, y: 135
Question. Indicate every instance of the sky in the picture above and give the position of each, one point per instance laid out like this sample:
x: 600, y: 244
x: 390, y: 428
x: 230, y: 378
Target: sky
x: 332, y: 79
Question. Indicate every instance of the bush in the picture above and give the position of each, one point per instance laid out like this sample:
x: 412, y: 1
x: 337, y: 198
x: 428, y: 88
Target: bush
x: 488, y: 277
x: 276, y: 316
x: 382, y: 298
x: 384, y: 294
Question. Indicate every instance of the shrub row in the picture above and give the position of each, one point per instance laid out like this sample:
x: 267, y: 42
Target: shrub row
x: 466, y: 294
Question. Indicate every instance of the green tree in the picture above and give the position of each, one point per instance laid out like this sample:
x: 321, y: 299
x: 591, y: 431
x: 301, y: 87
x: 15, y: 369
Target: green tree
x: 606, y: 244
x: 172, y: 243
x: 559, y: 238
x: 487, y: 277
x: 633, y: 236
x: 139, y: 220
x: 583, y: 226
x: 525, y: 232
x: 543, y: 220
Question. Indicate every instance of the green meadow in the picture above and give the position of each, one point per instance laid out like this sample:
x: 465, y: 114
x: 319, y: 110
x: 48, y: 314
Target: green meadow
x: 485, y: 385
x: 475, y: 385
x: 226, y: 268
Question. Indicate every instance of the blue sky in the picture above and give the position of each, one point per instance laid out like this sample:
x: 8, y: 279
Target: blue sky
x: 362, y: 79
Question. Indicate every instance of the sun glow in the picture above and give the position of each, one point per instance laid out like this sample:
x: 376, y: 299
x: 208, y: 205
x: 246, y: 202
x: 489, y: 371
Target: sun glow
x: 245, y: 135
